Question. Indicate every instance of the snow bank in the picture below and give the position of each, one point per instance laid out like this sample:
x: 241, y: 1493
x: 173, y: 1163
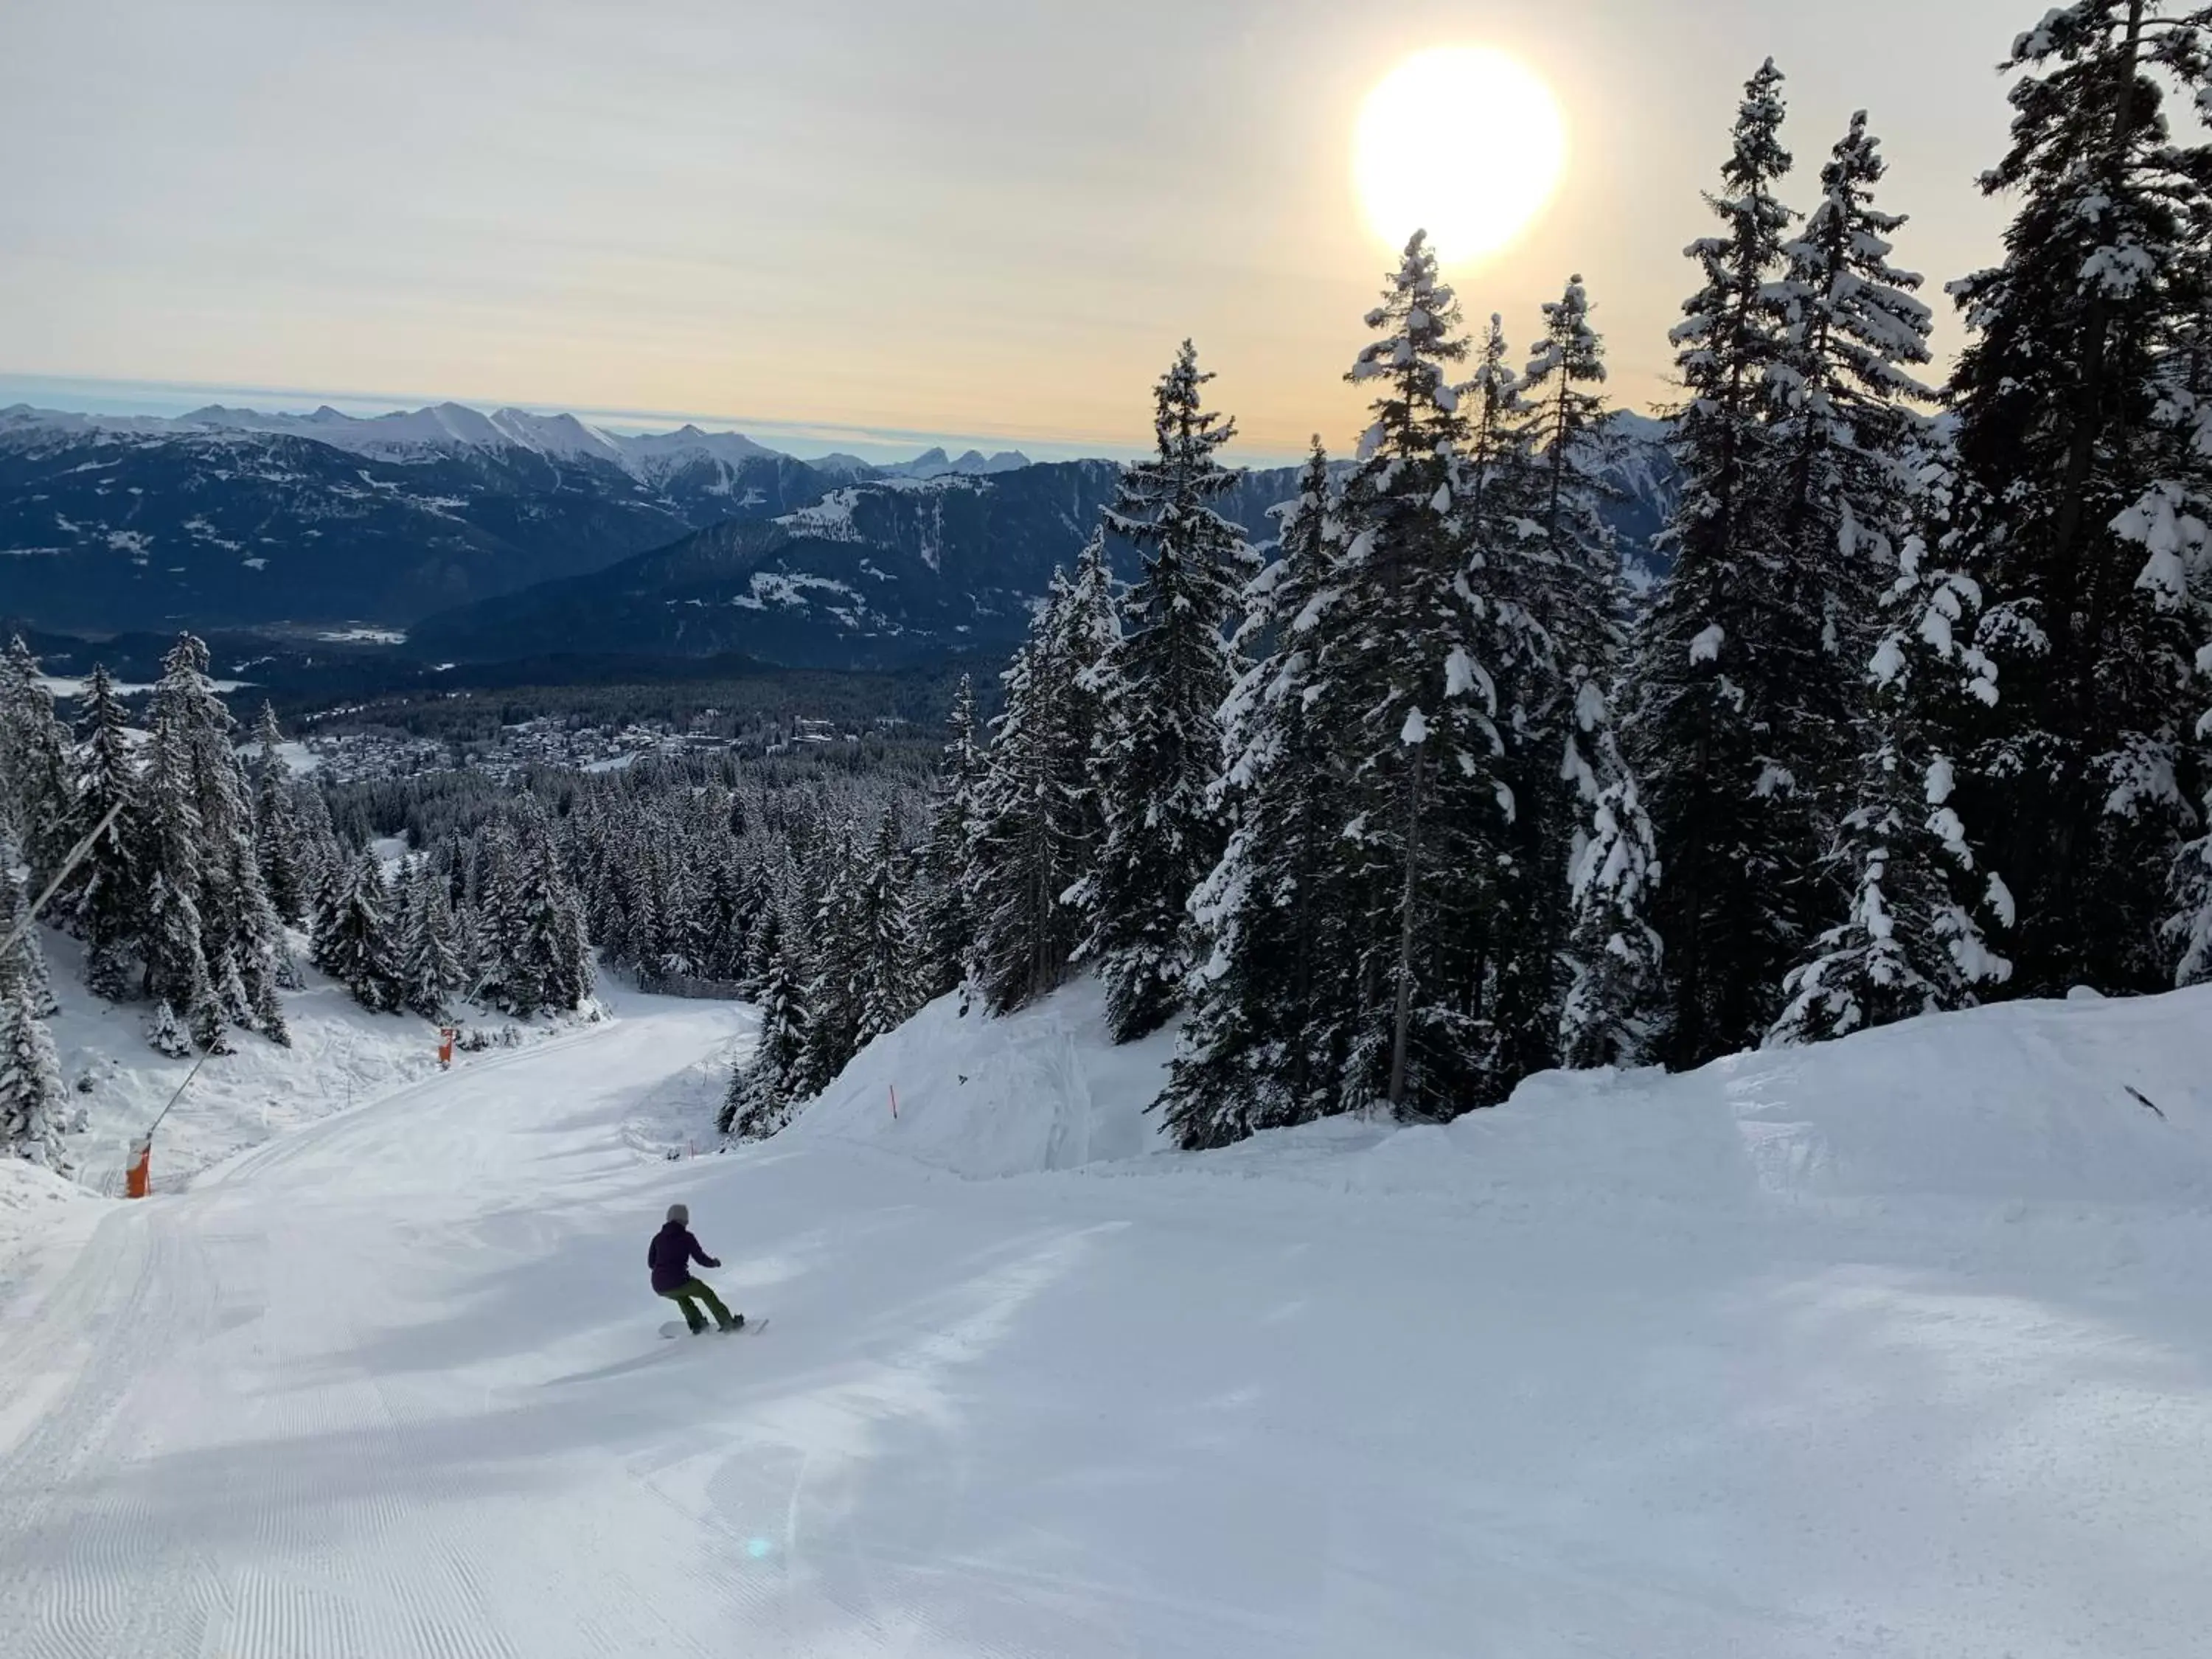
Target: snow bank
x: 1044, y: 1088
x: 1996, y: 1114
x: 38, y: 1208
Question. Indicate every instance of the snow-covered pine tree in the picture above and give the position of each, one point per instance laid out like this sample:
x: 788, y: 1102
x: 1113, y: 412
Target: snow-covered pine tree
x: 1614, y: 1006
x: 1159, y: 754
x: 545, y: 964
x: 430, y: 967
x: 764, y: 938
x: 946, y: 929
x: 2075, y: 505
x: 687, y: 941
x: 35, y: 775
x: 889, y: 950
x: 2181, y: 577
x: 106, y: 901
x: 763, y: 1091
x: 1855, y: 456
x: 731, y: 907
x: 1271, y: 1002
x: 1909, y: 944
x: 176, y: 975
x: 839, y: 982
x: 323, y: 861
x: 276, y: 829
x: 260, y: 955
x: 1843, y: 392
x: 33, y: 1102
x: 1586, y: 841
x: 1404, y: 683
x: 1036, y: 827
x: 27, y: 965
x: 352, y: 941
x: 1526, y: 568
x: 172, y: 941
x: 203, y: 843
x: 1709, y: 717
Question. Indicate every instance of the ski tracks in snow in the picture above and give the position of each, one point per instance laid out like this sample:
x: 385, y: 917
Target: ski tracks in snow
x: 208, y: 1465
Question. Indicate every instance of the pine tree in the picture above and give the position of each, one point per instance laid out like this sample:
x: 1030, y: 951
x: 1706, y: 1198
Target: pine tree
x: 1269, y: 1026
x: 1842, y: 392
x: 108, y: 902
x: 167, y: 1033
x: 324, y: 860
x: 353, y: 938
x: 1612, y: 1012
x: 173, y: 939
x: 686, y: 942
x: 2077, y: 494
x: 176, y: 965
x: 428, y: 964
x: 1159, y: 754
x: 35, y: 781
x: 944, y: 924
x: 1584, y: 912
x: 1727, y: 755
x: 1905, y: 945
x: 1037, y: 826
x: 1908, y: 944
x: 1406, y: 683
x: 494, y: 913
x: 260, y: 957
x: 276, y: 831
x: 27, y: 965
x: 887, y: 946
x: 765, y: 938
x: 202, y: 846
x: 546, y: 959
x: 839, y: 984
x: 32, y: 1099
x: 762, y: 1091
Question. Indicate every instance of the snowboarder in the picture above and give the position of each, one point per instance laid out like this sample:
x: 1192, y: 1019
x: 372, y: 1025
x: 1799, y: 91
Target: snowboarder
x: 671, y: 1255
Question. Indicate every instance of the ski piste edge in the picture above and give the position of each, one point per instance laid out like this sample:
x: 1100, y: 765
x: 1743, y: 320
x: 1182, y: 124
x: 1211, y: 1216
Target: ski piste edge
x: 675, y: 1328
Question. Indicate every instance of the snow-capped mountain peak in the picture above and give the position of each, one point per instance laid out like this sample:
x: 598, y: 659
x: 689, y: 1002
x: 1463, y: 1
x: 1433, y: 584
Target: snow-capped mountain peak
x: 446, y: 428
x: 935, y: 463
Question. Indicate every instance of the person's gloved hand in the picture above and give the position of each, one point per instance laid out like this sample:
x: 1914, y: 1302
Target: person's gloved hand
x: 713, y: 1262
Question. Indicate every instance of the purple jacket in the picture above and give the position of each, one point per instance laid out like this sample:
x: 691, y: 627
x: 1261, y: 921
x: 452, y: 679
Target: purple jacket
x: 671, y: 1255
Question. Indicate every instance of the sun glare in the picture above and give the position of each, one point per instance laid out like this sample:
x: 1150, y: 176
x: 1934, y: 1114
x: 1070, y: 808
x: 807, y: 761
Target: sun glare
x: 1463, y: 142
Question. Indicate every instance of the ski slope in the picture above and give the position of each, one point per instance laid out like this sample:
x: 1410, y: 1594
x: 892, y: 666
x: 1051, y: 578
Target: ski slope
x: 1898, y: 1346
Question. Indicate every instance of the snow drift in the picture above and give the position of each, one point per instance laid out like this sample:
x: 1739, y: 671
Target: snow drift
x: 1044, y: 1088
x: 1998, y: 1111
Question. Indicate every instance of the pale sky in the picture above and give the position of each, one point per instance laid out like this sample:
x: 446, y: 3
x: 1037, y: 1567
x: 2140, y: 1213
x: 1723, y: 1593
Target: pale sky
x: 972, y: 220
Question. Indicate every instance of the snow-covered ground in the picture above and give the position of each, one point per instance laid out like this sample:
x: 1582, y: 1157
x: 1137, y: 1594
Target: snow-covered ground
x: 1897, y: 1346
x: 341, y: 1056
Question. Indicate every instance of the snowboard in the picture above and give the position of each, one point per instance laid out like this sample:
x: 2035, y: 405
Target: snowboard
x: 678, y: 1328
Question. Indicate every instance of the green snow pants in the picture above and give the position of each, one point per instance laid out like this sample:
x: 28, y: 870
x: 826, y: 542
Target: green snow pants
x: 688, y: 1295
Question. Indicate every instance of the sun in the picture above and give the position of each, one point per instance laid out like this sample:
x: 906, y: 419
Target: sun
x: 1463, y: 142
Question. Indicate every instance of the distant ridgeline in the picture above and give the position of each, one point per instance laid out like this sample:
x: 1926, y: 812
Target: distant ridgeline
x: 490, y: 537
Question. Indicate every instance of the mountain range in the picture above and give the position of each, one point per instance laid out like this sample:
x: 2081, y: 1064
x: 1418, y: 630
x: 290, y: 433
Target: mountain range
x: 492, y: 536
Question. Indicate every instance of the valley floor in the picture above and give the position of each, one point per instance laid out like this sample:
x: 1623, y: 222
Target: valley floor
x: 1897, y: 1348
